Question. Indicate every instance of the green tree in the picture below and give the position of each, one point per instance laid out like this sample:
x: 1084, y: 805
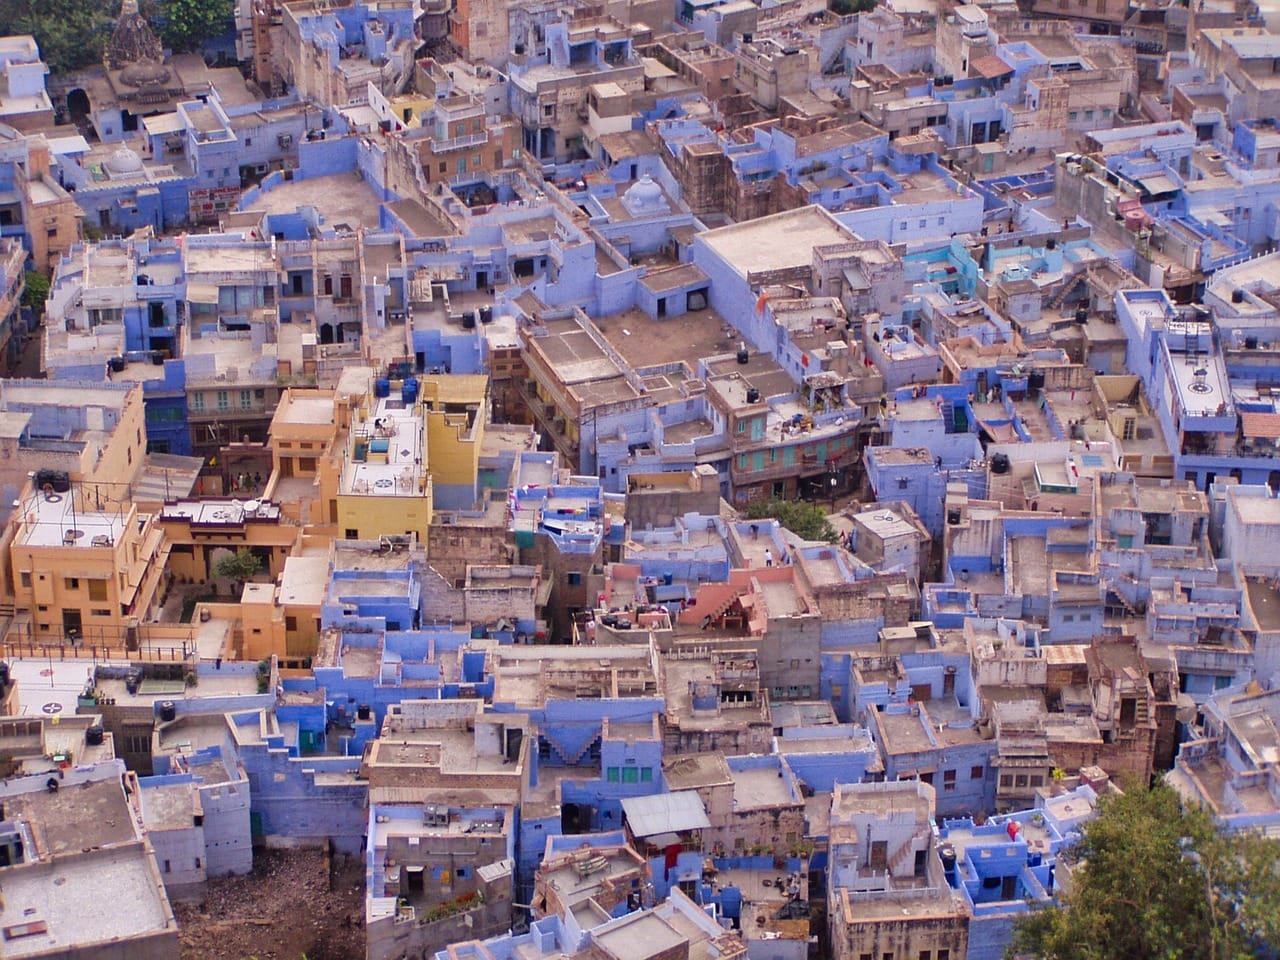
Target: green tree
x: 185, y: 24
x: 1159, y: 881
x: 806, y: 520
x: 36, y: 292
x: 238, y: 566
x: 845, y: 7
x: 71, y: 33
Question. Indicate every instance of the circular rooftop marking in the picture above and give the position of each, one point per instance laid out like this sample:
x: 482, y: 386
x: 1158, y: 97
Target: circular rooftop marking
x: 52, y: 708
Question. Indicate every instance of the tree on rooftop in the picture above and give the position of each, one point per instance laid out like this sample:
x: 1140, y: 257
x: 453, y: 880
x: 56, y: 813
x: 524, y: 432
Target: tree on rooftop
x: 806, y: 520
x: 1160, y: 881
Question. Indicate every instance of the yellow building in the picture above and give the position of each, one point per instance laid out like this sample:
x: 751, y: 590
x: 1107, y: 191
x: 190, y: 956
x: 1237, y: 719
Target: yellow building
x: 455, y: 408
x: 85, y: 569
x: 385, y: 487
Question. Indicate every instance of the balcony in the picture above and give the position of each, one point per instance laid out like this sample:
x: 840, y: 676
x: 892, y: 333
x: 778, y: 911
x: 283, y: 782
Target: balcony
x: 460, y: 143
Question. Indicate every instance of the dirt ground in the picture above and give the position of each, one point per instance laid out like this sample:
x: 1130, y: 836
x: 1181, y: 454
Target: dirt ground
x: 289, y: 906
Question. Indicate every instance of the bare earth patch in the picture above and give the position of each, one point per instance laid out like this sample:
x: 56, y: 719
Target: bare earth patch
x: 291, y: 905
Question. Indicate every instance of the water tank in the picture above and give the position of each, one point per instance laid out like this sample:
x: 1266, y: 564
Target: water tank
x: 59, y: 480
x: 1051, y: 244
x: 953, y: 516
x: 117, y: 364
x: 666, y: 579
x: 1237, y: 295
x: 1035, y: 383
x: 1000, y: 463
x: 469, y: 320
x: 93, y: 736
x: 382, y: 388
x: 948, y: 857
x: 409, y: 391
x: 744, y: 356
x: 753, y: 395
x: 168, y: 711
x: 486, y: 314
x: 364, y: 712
x: 157, y: 357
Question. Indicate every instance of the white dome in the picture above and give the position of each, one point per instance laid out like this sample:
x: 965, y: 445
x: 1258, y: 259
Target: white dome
x: 124, y: 161
x: 645, y: 197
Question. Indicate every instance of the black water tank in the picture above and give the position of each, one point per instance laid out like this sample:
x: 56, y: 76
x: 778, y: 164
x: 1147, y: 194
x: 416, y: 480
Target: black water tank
x: 744, y: 356
x: 1237, y: 295
x: 753, y: 395
x: 117, y: 364
x: 93, y: 736
x: 486, y: 314
x: 999, y: 463
x: 469, y: 320
x: 60, y: 480
x: 168, y: 711
x: 953, y: 516
x: 364, y: 712
x: 1051, y: 244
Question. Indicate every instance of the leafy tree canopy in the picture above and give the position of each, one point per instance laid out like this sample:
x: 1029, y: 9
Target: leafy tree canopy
x: 238, y: 566
x: 36, y: 292
x: 185, y: 24
x: 806, y: 520
x: 71, y: 33
x: 1157, y: 881
x: 845, y: 7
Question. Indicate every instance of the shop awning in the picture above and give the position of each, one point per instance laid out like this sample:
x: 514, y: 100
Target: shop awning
x: 202, y: 293
x: 1260, y: 425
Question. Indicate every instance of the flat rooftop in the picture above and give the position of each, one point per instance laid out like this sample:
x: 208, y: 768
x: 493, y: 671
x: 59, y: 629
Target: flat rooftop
x: 340, y: 198
x: 778, y: 242
x: 85, y: 901
x: 51, y: 521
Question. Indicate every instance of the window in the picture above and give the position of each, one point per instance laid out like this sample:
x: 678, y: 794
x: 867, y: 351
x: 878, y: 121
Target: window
x: 575, y: 579
x: 99, y: 612
x: 615, y: 774
x: 926, y: 777
x: 197, y: 402
x: 98, y: 590
x: 630, y: 775
x: 1072, y: 116
x: 975, y: 773
x: 1006, y: 780
x: 246, y: 399
x: 548, y: 109
x: 944, y: 955
x: 948, y: 780
x: 72, y: 583
x: 1020, y: 780
x: 25, y: 578
x: 291, y: 624
x: 646, y: 774
x: 224, y: 400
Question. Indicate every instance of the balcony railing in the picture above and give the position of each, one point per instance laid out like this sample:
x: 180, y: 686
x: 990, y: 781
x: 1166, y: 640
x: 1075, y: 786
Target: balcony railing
x: 459, y: 143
